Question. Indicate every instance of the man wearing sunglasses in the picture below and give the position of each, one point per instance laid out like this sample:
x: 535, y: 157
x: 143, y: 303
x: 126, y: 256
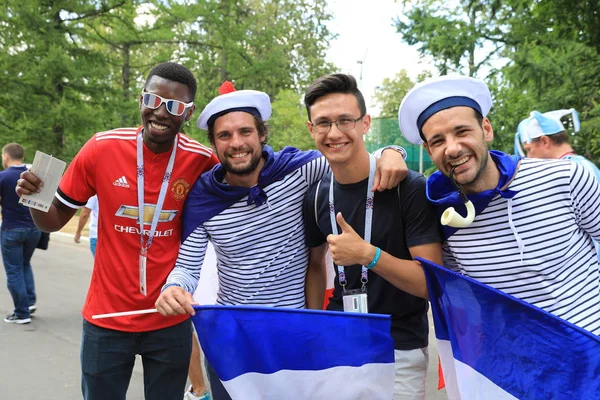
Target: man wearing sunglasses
x: 142, y: 177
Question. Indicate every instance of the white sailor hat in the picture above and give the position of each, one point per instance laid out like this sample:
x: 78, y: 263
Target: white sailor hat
x: 437, y: 94
x: 538, y: 125
x: 250, y: 101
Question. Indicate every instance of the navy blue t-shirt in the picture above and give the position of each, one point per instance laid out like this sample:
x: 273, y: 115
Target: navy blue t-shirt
x: 402, y: 218
x: 14, y: 215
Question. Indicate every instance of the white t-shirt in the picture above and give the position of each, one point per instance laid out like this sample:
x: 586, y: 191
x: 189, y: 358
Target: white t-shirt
x: 92, y: 204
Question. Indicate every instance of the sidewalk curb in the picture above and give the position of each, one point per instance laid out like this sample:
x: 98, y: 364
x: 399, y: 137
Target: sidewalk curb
x: 63, y: 237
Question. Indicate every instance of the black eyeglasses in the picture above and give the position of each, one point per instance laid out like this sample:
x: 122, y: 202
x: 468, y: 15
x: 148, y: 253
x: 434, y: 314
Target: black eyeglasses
x: 343, y: 124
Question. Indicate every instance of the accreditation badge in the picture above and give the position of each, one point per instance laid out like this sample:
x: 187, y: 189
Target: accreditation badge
x: 142, y: 262
x: 355, y: 301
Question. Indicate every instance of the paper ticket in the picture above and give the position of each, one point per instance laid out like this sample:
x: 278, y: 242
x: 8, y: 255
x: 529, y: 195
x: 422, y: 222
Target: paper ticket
x: 49, y: 170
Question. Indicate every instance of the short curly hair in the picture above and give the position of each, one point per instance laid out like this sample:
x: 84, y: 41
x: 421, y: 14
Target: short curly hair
x: 176, y: 73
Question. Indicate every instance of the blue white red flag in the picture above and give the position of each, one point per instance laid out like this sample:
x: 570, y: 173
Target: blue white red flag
x: 495, y: 346
x: 273, y: 353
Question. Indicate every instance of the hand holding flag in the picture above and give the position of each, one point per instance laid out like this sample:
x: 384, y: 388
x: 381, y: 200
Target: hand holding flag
x: 175, y: 300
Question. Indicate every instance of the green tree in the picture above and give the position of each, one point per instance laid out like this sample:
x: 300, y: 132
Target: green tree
x: 265, y: 45
x: 549, y: 51
x: 50, y: 78
x: 73, y: 68
x: 391, y: 92
x: 287, y: 126
x: 453, y: 34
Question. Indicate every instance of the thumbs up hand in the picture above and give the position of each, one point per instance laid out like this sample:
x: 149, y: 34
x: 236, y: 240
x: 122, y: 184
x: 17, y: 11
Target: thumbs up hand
x: 348, y: 247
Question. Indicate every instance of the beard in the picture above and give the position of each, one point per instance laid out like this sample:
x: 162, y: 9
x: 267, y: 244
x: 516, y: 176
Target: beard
x: 242, y: 170
x: 478, y: 174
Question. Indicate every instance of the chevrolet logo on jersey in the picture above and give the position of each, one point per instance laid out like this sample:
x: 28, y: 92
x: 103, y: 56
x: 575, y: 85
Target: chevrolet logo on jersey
x: 134, y: 213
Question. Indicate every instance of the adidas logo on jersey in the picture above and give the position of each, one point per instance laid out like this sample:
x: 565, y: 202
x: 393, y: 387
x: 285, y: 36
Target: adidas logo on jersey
x: 121, y: 182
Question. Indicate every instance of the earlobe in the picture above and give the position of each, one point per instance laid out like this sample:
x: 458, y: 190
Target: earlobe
x: 367, y: 123
x: 310, y: 129
x: 545, y: 141
x: 427, y: 149
x: 489, y: 131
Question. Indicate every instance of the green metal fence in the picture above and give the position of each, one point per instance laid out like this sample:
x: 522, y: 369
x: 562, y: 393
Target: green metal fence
x: 385, y: 131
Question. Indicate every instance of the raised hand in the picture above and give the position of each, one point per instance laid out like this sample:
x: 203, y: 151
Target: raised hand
x: 28, y: 184
x: 348, y: 247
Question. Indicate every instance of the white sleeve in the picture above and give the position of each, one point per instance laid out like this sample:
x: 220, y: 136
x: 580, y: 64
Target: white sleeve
x: 92, y: 203
x: 585, y: 200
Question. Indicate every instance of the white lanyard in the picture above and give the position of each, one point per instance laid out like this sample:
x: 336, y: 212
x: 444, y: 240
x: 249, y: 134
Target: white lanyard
x: 368, y: 223
x: 142, y: 205
x: 161, y: 195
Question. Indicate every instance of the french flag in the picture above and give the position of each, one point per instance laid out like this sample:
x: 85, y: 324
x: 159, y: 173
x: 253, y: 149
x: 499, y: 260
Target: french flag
x: 495, y: 346
x: 262, y: 353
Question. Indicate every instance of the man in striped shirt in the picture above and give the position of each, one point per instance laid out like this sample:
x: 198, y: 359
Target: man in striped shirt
x: 535, y: 220
x: 545, y: 136
x: 250, y: 208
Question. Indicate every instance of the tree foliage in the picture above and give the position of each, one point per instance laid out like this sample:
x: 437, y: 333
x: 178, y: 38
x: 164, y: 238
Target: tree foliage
x: 454, y: 33
x: 287, y: 126
x: 391, y: 92
x: 71, y: 68
x: 549, y: 51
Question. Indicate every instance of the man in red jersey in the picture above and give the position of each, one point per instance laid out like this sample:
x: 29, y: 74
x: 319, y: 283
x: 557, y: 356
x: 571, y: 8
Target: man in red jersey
x: 154, y: 165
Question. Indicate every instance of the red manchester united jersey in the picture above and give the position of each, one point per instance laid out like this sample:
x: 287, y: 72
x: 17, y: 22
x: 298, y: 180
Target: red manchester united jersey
x: 106, y: 165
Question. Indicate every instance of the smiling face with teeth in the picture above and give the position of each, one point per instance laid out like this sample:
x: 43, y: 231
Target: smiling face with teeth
x: 161, y: 127
x: 337, y: 146
x: 456, y: 137
x: 238, y: 145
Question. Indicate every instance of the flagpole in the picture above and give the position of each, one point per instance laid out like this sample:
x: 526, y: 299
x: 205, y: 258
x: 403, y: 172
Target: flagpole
x: 125, y: 313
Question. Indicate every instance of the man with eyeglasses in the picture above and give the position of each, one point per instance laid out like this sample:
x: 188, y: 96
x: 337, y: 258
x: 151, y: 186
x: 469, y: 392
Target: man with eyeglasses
x: 372, y: 236
x: 142, y: 177
x: 250, y: 208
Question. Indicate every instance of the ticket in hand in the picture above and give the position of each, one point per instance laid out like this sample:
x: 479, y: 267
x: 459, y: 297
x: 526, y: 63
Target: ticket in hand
x: 49, y: 170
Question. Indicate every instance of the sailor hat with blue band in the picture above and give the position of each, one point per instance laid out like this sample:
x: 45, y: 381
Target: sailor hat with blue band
x: 437, y: 94
x: 538, y: 125
x: 251, y: 101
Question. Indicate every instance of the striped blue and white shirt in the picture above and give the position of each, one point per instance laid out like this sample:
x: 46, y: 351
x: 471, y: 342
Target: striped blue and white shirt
x: 262, y: 257
x: 538, y: 245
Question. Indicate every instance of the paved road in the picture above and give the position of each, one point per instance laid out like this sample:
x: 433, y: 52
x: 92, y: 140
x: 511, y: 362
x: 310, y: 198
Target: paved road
x: 41, y: 359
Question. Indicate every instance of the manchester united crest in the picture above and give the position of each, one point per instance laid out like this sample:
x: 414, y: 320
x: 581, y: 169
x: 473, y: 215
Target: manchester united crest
x: 180, y: 189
